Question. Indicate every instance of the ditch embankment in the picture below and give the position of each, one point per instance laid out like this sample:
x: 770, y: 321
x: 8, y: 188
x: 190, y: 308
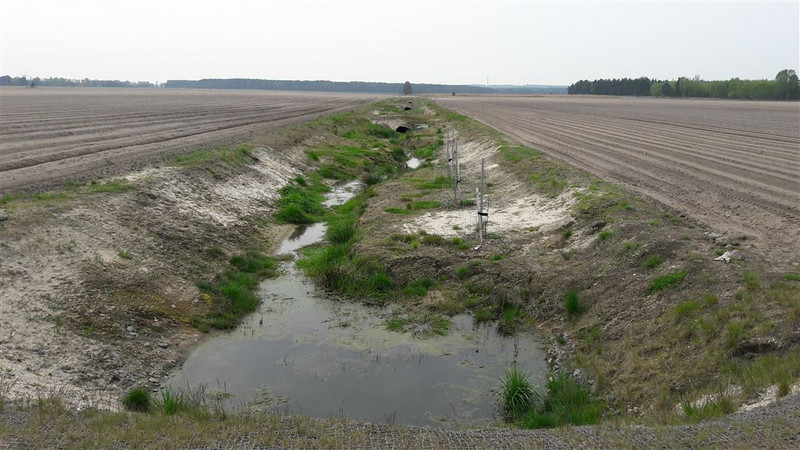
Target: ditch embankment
x: 108, y: 285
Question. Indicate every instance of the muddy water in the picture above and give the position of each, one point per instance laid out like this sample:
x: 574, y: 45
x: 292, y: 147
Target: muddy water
x: 305, y: 353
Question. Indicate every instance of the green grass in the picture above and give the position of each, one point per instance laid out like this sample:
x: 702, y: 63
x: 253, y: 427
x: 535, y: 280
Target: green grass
x: 751, y: 281
x: 397, y: 324
x: 125, y: 254
x: 666, y: 281
x: 483, y: 315
x: 423, y: 204
x: 652, y: 262
x: 565, y: 402
x: 137, y: 400
x: 687, y: 308
x: 495, y: 257
x: 572, y: 304
x: 231, y: 295
x: 171, y: 403
x: 604, y: 235
x: 418, y: 288
x: 461, y: 272
x: 567, y: 234
x: 792, y: 277
x: 299, y: 205
x: 439, y: 182
x: 516, y: 394
x: 517, y: 154
x: 397, y: 211
x: 710, y: 409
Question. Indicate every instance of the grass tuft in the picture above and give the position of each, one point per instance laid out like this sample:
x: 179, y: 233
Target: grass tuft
x: 572, y: 303
x: 137, y: 400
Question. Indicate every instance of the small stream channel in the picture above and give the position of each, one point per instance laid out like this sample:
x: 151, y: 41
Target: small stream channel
x: 305, y: 353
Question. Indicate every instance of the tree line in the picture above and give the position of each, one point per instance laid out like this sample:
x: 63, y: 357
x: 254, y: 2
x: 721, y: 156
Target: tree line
x: 785, y: 86
x: 7, y: 80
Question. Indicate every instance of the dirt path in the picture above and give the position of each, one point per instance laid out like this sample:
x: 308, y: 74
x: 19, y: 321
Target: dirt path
x: 732, y: 165
x: 52, y: 134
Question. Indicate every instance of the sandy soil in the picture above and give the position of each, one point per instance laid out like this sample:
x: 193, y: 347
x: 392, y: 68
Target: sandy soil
x: 79, y: 320
x: 732, y: 165
x: 51, y: 134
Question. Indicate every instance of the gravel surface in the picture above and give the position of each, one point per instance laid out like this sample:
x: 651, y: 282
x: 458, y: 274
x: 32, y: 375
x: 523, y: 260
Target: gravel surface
x: 773, y: 426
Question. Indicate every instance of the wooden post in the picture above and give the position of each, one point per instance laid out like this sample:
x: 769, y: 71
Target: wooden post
x: 480, y: 202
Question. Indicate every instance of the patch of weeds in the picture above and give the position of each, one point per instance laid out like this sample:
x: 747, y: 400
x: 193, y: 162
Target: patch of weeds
x: 687, y: 308
x: 483, y: 315
x: 418, y: 288
x: 652, y: 262
x: 655, y: 223
x: 458, y: 242
x: 517, y: 154
x: 111, y: 186
x: 567, y: 234
x: 231, y: 295
x: 137, y: 400
x: 397, y: 323
x: 215, y: 253
x: 439, y: 182
x: 666, y: 281
x: 124, y: 254
x: 495, y: 257
x: 719, y: 252
x: 461, y: 272
x: 510, y: 319
x: 423, y: 204
x: 572, y: 304
x: 566, y: 402
x: 792, y: 277
x: 751, y: 281
x: 735, y: 331
x: 397, y: 211
x: 255, y: 263
x: 300, y: 180
x: 631, y: 245
x: 604, y: 235
x: 171, y: 403
x: 718, y: 407
x: 299, y: 205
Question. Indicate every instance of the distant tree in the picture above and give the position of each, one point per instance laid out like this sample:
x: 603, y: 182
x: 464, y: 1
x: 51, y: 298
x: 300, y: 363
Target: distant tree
x: 407, y: 88
x: 788, y: 87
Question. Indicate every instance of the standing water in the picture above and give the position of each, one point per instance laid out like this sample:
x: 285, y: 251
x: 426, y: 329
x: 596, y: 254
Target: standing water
x: 305, y: 353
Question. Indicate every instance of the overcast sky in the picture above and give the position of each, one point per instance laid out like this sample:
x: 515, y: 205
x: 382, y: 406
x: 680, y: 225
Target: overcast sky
x: 426, y: 41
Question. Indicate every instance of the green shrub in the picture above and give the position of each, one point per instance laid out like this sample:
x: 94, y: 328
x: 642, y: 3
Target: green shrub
x: 137, y: 400
x: 341, y: 231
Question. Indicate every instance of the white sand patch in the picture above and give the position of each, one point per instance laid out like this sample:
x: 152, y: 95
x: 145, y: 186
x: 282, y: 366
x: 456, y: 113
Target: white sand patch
x: 530, y: 211
x: 226, y: 203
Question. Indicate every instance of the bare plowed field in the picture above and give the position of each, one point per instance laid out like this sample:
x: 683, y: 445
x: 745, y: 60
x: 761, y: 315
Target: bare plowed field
x: 52, y: 134
x: 732, y: 165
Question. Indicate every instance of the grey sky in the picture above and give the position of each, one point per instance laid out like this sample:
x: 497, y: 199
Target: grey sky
x: 429, y: 41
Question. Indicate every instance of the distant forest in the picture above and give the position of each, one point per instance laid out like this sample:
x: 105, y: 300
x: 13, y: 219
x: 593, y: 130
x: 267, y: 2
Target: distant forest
x: 289, y: 85
x: 358, y: 86
x: 7, y: 80
x: 785, y: 86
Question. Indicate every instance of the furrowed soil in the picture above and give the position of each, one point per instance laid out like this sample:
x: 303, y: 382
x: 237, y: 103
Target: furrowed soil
x: 99, y: 286
x: 48, y: 135
x: 731, y: 165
